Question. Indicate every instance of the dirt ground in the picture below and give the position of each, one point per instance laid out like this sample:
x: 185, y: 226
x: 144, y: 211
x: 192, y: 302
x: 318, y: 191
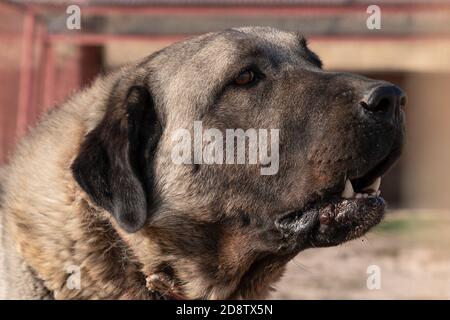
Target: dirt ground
x: 411, y: 250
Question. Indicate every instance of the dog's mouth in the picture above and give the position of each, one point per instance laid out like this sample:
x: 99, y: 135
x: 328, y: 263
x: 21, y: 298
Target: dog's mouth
x: 342, y: 213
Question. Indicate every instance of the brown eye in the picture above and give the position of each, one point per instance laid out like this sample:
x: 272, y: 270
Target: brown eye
x: 245, y: 77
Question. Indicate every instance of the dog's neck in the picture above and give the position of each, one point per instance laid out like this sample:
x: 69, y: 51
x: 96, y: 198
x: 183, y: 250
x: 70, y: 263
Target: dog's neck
x: 157, y: 280
x: 114, y: 264
x: 89, y: 260
x: 135, y: 279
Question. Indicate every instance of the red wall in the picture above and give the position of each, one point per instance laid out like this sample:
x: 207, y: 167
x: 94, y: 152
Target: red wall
x: 11, y: 35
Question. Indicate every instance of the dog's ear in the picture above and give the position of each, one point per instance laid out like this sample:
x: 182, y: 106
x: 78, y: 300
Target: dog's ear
x: 114, y: 164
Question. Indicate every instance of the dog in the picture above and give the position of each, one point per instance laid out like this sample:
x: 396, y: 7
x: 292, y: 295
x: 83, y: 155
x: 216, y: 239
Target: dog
x: 94, y: 206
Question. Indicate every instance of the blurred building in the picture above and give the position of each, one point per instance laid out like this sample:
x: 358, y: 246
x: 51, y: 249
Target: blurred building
x: 42, y: 61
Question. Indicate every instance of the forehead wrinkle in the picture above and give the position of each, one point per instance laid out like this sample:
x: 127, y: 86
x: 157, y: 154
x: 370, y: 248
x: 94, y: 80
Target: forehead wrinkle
x: 205, y: 69
x: 275, y: 54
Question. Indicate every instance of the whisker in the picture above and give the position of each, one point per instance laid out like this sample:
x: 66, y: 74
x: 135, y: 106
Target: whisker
x: 301, y: 266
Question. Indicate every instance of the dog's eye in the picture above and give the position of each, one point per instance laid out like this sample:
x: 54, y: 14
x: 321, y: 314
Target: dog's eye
x: 245, y: 77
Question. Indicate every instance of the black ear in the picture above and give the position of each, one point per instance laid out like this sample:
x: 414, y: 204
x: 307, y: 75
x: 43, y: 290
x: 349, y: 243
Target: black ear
x: 114, y: 164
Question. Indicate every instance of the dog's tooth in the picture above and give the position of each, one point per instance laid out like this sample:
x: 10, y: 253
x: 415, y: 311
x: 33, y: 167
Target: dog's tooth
x: 348, y: 190
x: 376, y: 184
x: 365, y: 195
x: 358, y: 195
x: 378, y: 193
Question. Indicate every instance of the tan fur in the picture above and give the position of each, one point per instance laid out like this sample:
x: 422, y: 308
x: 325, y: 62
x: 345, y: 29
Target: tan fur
x: 49, y: 217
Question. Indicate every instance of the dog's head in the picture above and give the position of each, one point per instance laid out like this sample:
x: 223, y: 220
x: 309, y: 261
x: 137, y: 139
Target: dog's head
x: 226, y: 230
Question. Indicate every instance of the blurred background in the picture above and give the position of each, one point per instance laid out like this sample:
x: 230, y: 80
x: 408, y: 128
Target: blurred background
x: 42, y: 61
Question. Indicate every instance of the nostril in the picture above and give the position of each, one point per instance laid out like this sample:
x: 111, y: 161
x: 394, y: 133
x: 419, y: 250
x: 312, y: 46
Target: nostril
x: 383, y: 105
x: 384, y: 100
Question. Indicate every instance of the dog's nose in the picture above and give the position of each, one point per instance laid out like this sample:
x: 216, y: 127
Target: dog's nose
x: 384, y: 99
